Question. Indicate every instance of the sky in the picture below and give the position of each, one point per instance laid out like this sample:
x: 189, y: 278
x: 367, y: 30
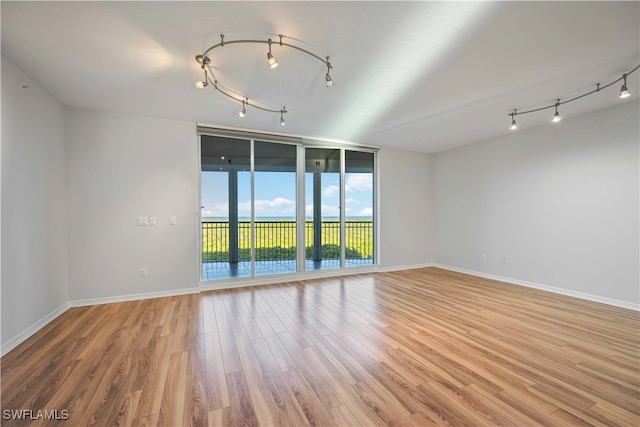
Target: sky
x: 275, y: 194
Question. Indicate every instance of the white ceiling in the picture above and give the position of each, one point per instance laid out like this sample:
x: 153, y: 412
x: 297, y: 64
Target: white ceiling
x: 423, y: 76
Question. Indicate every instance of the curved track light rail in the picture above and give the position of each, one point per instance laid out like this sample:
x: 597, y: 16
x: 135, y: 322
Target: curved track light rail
x: 205, y: 62
x: 624, y: 92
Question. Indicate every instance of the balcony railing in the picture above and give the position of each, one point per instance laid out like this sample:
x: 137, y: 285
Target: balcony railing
x: 276, y: 240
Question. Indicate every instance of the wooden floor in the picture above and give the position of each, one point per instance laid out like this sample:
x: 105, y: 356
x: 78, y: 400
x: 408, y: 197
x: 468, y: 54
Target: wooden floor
x: 417, y: 347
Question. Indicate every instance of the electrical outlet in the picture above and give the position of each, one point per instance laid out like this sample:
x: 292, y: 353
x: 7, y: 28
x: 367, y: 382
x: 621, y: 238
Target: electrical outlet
x: 152, y: 220
x: 484, y: 257
x: 143, y: 272
x: 172, y: 220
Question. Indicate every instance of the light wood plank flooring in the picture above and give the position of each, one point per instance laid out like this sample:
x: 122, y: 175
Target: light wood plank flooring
x: 417, y: 347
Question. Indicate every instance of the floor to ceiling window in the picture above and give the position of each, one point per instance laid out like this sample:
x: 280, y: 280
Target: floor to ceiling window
x: 359, y: 224
x: 274, y: 207
x: 253, y: 224
x: 225, y: 183
x: 322, y: 210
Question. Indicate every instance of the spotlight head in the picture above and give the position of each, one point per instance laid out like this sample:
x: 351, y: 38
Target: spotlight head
x: 272, y: 61
x: 514, y: 125
x: 282, y: 122
x: 202, y: 83
x: 203, y: 60
x: 329, y: 81
x: 624, y: 91
x: 242, y: 113
x: 327, y: 76
x: 556, y: 116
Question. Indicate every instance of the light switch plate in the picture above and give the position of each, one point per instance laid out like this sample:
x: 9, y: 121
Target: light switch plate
x: 152, y: 220
x: 143, y: 220
x: 172, y: 220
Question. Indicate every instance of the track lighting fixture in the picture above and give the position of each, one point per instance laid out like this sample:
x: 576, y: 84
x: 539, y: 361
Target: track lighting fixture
x: 271, y: 60
x: 205, y: 63
x: 329, y: 81
x: 556, y: 116
x: 514, y: 125
x: 328, y: 77
x: 624, y: 93
x: 200, y: 84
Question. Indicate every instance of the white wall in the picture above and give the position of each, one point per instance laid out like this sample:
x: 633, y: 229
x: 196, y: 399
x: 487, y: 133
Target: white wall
x: 34, y: 206
x: 560, y: 202
x: 121, y: 167
x: 405, y: 208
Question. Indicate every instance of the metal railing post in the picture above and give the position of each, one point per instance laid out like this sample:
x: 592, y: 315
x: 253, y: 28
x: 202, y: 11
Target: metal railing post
x: 233, y: 216
x: 317, y: 217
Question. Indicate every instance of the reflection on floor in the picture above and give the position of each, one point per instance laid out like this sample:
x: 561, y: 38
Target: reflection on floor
x: 216, y: 270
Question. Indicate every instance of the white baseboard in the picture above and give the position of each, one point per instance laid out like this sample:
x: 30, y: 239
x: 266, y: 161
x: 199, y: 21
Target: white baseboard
x: 561, y: 291
x: 132, y: 297
x: 18, y: 339
x: 405, y: 267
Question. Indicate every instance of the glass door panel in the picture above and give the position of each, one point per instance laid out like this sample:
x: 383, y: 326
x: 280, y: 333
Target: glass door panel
x: 322, y: 210
x: 275, y: 208
x: 225, y: 188
x: 359, y: 207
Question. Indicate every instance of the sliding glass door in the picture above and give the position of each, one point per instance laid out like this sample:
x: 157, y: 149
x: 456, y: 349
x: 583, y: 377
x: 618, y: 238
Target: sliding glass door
x: 339, y: 237
x: 225, y: 182
x: 359, y: 205
x: 275, y: 208
x: 322, y: 197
